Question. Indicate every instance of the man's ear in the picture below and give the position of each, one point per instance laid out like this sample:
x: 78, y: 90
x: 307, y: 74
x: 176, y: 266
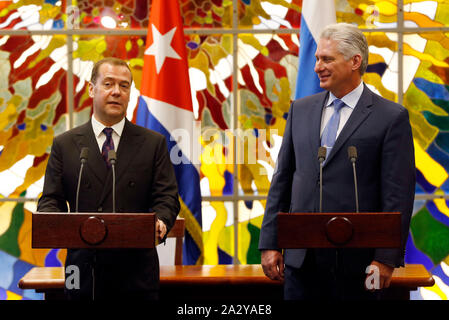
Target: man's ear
x: 356, y: 62
x: 91, y: 90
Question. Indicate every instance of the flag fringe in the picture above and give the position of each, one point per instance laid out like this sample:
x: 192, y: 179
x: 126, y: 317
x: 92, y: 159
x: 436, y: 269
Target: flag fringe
x: 194, y: 229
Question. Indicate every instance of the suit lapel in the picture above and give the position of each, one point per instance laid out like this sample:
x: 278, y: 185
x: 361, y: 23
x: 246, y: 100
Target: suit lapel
x: 130, y: 144
x: 85, y: 137
x: 315, y: 123
x: 358, y: 115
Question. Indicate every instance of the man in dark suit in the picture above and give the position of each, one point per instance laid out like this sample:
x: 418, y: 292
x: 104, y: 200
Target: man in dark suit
x: 346, y: 114
x: 145, y: 182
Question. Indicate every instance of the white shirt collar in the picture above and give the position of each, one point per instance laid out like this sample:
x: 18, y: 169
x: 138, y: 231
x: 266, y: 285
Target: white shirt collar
x: 351, y: 99
x: 98, y: 127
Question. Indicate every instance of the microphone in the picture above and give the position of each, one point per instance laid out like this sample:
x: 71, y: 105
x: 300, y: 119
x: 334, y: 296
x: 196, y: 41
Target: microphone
x: 352, y: 156
x: 321, y: 154
x: 321, y: 157
x: 112, y: 159
x: 83, y: 158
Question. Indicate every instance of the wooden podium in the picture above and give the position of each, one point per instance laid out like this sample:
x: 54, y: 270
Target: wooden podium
x: 93, y: 230
x: 339, y: 230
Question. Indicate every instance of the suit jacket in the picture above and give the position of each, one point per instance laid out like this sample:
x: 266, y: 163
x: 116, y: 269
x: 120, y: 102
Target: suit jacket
x: 145, y: 182
x: 381, y: 132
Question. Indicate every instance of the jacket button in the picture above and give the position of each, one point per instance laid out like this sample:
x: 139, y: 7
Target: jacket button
x: 131, y: 184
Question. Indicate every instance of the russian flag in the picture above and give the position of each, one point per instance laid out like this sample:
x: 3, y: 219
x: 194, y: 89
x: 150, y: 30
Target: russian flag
x: 315, y: 16
x: 165, y: 106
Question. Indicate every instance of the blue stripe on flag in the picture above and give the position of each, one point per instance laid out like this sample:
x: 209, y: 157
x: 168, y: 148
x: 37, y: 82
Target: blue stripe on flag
x: 307, y: 82
x: 186, y: 175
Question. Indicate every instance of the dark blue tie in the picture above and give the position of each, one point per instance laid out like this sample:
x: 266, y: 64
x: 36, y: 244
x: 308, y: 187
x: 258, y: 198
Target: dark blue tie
x: 107, y: 145
x: 330, y: 131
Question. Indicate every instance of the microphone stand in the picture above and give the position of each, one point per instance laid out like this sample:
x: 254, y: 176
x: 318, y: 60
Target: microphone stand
x: 352, y: 155
x: 321, y: 157
x: 112, y: 159
x: 355, y: 186
x: 321, y: 185
x: 83, y: 158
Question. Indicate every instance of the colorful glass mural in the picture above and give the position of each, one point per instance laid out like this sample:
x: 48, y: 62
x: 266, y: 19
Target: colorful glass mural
x: 239, y: 142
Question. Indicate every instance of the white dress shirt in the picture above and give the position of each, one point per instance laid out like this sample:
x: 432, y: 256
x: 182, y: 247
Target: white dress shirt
x: 351, y: 100
x: 101, y: 137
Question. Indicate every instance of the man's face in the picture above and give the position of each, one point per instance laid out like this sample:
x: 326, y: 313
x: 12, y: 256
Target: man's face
x: 335, y: 73
x: 110, y: 93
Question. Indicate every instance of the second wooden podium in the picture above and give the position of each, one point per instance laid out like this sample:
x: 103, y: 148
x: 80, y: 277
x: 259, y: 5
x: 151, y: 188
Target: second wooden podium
x: 339, y: 230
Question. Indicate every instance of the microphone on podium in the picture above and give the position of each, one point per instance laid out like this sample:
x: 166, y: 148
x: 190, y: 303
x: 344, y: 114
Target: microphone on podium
x: 84, y: 154
x: 352, y: 156
x: 321, y: 157
x: 112, y: 159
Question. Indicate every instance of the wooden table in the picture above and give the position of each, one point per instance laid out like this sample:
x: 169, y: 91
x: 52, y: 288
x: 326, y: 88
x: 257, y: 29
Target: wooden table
x: 220, y: 282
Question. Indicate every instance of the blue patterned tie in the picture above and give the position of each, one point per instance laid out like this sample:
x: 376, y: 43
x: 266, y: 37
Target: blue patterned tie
x: 107, y: 145
x: 330, y: 131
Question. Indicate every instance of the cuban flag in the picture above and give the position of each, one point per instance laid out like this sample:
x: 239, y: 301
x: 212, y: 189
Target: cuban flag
x: 165, y: 106
x: 315, y: 16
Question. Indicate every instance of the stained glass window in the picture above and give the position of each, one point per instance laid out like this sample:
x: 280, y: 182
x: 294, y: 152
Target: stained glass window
x: 367, y: 13
x: 270, y: 14
x: 33, y: 15
x: 425, y: 14
x: 268, y: 65
x: 243, y: 63
x: 218, y: 232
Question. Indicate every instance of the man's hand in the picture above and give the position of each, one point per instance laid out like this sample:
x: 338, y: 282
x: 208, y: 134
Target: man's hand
x: 273, y: 264
x: 161, y: 229
x: 379, y: 276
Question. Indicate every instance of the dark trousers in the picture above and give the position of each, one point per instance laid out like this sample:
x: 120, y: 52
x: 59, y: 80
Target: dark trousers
x: 103, y: 291
x: 106, y: 282
x: 330, y: 274
x: 114, y: 274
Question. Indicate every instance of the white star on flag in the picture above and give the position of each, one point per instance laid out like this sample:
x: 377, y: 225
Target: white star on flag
x: 161, y: 47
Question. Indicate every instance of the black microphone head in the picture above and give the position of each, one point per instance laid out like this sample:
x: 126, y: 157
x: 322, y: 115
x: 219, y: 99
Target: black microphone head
x: 352, y: 153
x: 112, y: 156
x: 322, y: 154
x: 84, y: 154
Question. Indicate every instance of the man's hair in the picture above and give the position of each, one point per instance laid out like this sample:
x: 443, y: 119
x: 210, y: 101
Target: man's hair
x: 351, y: 41
x: 110, y: 60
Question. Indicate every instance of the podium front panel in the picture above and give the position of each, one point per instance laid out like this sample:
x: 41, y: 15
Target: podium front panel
x: 339, y: 230
x: 93, y: 230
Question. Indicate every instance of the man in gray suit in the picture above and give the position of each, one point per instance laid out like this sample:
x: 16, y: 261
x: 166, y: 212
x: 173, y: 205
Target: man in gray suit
x: 346, y: 114
x: 145, y: 182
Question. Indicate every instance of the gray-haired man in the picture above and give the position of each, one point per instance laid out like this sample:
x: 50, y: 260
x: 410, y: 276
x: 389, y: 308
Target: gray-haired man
x: 346, y: 114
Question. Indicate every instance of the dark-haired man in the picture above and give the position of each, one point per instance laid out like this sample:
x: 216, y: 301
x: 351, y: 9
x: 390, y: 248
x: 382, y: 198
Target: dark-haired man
x: 145, y: 182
